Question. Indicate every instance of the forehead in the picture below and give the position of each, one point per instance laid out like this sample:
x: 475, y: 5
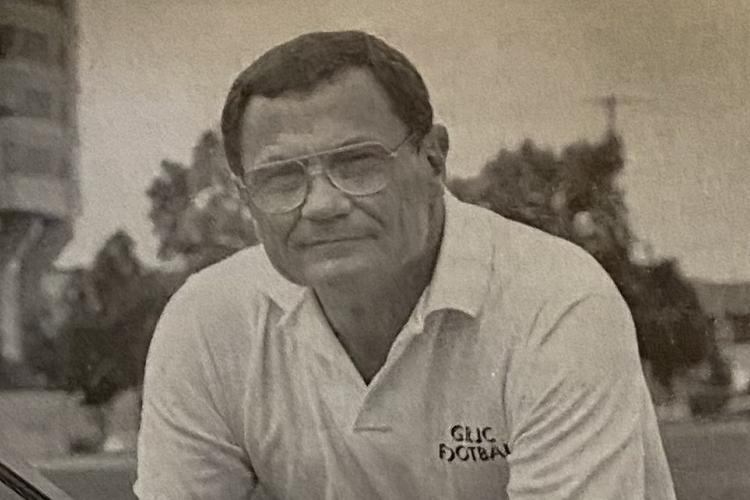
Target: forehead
x: 353, y: 104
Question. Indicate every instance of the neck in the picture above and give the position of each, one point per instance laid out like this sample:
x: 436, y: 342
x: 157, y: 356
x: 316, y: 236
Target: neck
x: 381, y: 303
x: 368, y: 314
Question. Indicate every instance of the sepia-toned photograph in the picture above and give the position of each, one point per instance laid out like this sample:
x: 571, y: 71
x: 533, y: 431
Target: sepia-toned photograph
x: 374, y: 250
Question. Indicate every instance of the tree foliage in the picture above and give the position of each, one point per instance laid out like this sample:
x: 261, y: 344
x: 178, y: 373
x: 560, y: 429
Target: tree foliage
x: 196, y: 211
x: 112, y: 308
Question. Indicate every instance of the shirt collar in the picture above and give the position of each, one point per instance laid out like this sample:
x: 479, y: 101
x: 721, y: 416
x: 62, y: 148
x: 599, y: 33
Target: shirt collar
x: 460, y: 279
x: 284, y: 293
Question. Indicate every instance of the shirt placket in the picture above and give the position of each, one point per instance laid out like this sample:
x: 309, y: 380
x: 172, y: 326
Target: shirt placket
x: 375, y: 410
x: 331, y: 373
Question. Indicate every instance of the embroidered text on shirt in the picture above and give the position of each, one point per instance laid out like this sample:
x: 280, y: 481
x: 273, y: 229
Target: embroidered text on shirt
x: 475, y: 444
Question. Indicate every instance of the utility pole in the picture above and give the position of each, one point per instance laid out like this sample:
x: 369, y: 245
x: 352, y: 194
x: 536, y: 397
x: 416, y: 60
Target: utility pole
x: 609, y: 103
x: 610, y: 106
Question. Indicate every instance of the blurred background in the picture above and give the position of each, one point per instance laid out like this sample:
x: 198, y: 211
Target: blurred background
x: 621, y: 126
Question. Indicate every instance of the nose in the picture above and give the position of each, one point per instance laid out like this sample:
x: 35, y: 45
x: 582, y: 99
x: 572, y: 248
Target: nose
x: 324, y: 200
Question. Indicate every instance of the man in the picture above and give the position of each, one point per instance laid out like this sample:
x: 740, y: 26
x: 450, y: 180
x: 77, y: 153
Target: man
x: 386, y: 341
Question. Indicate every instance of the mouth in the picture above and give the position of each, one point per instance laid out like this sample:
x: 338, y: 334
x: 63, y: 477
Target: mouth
x: 330, y: 241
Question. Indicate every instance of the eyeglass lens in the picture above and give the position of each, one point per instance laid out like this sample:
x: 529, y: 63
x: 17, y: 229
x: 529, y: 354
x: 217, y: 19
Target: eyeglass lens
x: 358, y: 171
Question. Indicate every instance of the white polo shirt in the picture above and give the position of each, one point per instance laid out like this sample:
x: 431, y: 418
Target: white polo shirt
x: 517, y: 376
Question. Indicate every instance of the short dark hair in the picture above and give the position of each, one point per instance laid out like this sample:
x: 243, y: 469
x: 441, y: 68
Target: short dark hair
x: 303, y: 63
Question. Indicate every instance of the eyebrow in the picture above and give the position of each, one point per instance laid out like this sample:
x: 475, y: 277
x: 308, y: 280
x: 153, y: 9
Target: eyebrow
x: 276, y: 157
x: 357, y: 139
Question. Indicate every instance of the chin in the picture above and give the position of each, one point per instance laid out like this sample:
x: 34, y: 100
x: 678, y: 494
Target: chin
x: 337, y: 271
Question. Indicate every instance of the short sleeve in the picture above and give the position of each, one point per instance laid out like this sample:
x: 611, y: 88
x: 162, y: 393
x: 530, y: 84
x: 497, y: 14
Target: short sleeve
x: 582, y: 422
x: 186, y: 450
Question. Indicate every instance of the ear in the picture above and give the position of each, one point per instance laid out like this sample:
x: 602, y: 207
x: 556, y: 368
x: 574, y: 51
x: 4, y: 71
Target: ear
x: 245, y: 198
x: 258, y: 229
x: 435, y: 145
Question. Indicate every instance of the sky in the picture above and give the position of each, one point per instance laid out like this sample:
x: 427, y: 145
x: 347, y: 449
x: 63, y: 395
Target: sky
x: 154, y: 73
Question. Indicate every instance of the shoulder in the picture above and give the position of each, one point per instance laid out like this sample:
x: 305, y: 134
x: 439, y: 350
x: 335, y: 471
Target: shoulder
x: 245, y: 272
x: 222, y: 307
x: 567, y: 315
x: 243, y: 281
x: 533, y: 277
x: 534, y: 267
x: 210, y: 327
x: 519, y: 252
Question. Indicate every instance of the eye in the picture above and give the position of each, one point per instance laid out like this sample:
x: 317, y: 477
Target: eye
x: 354, y: 156
x: 359, y: 156
x: 277, y: 178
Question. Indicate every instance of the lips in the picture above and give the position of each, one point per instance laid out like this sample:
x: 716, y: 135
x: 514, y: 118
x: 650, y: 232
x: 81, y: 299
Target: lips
x: 309, y: 235
x: 329, y: 240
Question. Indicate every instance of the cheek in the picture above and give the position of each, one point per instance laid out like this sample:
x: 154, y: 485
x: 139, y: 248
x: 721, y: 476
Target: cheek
x: 273, y: 231
x: 415, y: 206
x: 412, y: 221
x: 417, y: 228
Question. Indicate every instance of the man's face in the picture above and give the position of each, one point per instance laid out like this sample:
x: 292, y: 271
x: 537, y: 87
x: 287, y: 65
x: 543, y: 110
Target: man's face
x: 334, y: 236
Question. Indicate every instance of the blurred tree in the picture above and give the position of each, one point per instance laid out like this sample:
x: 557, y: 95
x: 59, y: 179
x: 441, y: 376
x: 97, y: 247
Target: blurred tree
x: 520, y: 185
x: 110, y: 310
x: 113, y: 309
x: 575, y: 195
x: 674, y: 333
x: 42, y: 350
x: 170, y: 198
x: 196, y: 211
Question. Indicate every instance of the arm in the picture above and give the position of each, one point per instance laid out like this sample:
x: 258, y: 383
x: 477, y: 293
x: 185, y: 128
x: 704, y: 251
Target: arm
x: 186, y: 450
x: 583, y: 424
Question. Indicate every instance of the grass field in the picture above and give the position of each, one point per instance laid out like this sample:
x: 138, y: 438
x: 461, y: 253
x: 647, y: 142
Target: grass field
x: 710, y: 460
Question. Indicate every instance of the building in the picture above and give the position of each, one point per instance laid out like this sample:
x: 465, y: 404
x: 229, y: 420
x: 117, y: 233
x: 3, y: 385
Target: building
x: 39, y: 195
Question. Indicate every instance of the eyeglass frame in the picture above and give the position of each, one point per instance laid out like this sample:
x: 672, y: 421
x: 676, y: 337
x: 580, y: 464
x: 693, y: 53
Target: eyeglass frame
x: 314, y: 168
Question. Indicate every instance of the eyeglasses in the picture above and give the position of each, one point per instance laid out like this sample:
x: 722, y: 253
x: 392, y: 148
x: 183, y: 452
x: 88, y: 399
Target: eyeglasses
x: 359, y: 170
